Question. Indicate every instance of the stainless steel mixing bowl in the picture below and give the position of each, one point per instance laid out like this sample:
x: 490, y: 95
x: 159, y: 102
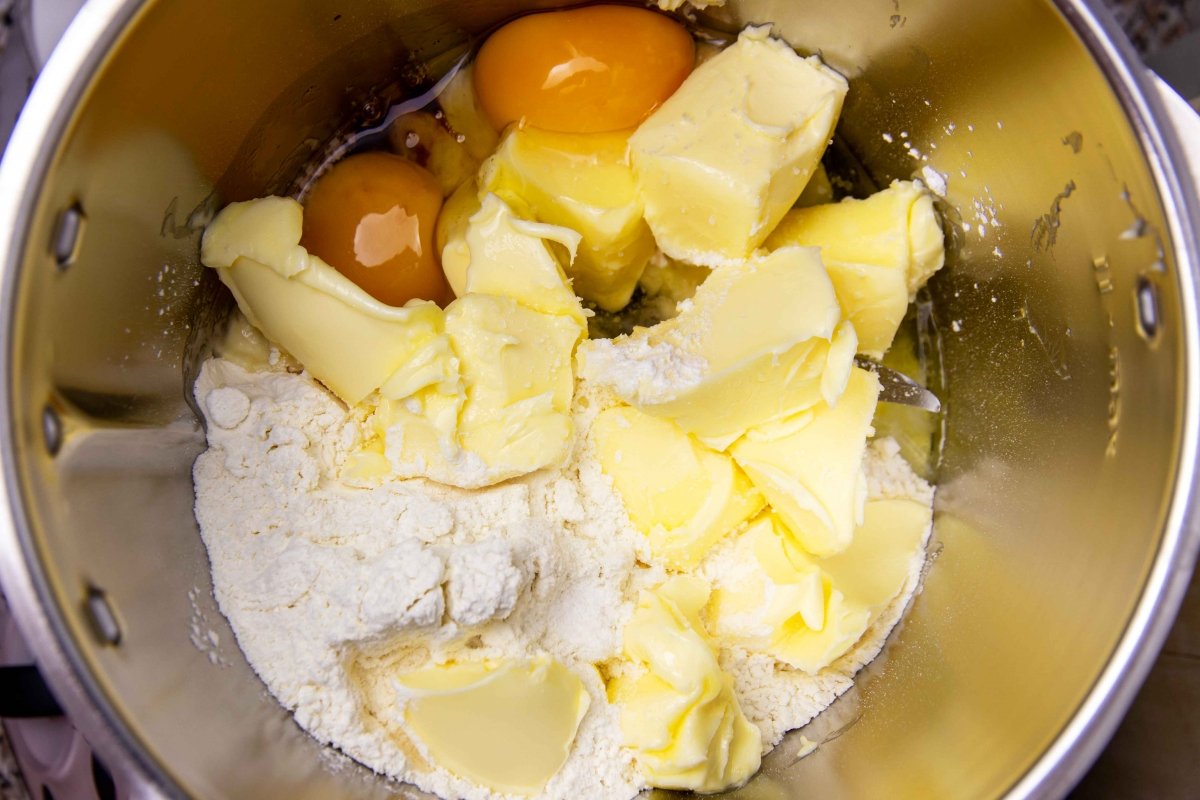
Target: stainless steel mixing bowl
x: 1065, y: 519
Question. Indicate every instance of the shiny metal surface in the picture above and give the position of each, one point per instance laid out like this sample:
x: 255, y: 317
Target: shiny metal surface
x: 896, y: 387
x: 1065, y: 527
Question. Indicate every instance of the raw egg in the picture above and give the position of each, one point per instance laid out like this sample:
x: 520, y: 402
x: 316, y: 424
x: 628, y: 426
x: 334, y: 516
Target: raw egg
x: 371, y: 218
x: 586, y: 70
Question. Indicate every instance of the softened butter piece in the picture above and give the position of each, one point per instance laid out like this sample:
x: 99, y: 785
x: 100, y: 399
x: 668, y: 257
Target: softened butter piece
x: 681, y: 495
x: 507, y: 726
x: 722, y: 160
x: 878, y: 252
x: 810, y: 469
x: 777, y: 599
x: 679, y: 714
x: 516, y: 366
x: 872, y: 571
x: 450, y: 234
x: 511, y: 257
x: 582, y: 182
x: 753, y: 345
x: 347, y: 339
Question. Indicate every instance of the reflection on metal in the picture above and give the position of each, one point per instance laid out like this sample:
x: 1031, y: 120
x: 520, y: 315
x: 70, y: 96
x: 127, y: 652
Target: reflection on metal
x: 1045, y: 228
x: 52, y: 430
x: 1054, y: 348
x: 104, y: 620
x: 1114, y: 400
x: 68, y: 234
x: 896, y: 387
x: 195, y: 221
x: 1102, y: 272
x: 1148, y: 315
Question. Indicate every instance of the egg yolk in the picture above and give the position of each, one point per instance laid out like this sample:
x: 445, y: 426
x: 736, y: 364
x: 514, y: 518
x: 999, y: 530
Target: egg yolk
x: 371, y: 217
x: 586, y: 70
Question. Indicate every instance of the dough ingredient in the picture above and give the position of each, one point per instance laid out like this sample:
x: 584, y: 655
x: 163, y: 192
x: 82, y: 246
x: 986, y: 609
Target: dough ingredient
x: 483, y: 554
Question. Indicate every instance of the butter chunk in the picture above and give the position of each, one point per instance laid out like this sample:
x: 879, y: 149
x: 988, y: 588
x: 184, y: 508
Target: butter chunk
x: 775, y: 598
x: 516, y: 366
x: 682, y: 496
x: 582, y: 182
x: 347, y: 339
x: 722, y: 160
x: 753, y: 345
x: 878, y: 252
x: 417, y: 412
x: 507, y: 726
x: 810, y: 469
x: 872, y: 571
x: 450, y: 233
x: 511, y: 257
x: 679, y: 712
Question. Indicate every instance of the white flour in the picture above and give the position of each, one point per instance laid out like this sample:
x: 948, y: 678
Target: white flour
x: 331, y: 590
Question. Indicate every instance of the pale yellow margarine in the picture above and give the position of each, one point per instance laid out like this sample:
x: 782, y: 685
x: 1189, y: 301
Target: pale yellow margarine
x: 807, y: 612
x: 722, y: 160
x: 810, y: 468
x: 508, y: 726
x: 511, y: 257
x: 349, y: 340
x: 517, y: 372
x: 778, y: 600
x: 581, y: 181
x: 874, y: 568
x: 759, y: 341
x: 878, y: 251
x: 469, y: 396
x: 681, y: 495
x: 679, y: 712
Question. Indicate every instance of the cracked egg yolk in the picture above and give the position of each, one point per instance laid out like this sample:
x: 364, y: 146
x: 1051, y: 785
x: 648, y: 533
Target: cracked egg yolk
x: 371, y: 218
x: 586, y: 70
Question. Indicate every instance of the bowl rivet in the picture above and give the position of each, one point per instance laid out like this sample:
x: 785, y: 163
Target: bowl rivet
x: 104, y: 620
x: 68, y: 232
x: 1146, y: 299
x: 52, y: 430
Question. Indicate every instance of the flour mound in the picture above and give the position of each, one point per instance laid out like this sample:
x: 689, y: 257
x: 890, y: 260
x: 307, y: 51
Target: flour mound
x: 332, y: 590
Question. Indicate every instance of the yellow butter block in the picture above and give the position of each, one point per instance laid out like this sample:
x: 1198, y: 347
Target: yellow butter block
x: 682, y: 496
x: 507, y: 726
x: 468, y: 397
x: 811, y: 473
x: 582, y: 182
x: 878, y: 251
x: 347, y: 339
x: 511, y: 257
x: 680, y: 715
x: 777, y: 599
x: 722, y: 160
x: 516, y: 366
x: 450, y: 234
x: 759, y: 341
x: 872, y: 571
